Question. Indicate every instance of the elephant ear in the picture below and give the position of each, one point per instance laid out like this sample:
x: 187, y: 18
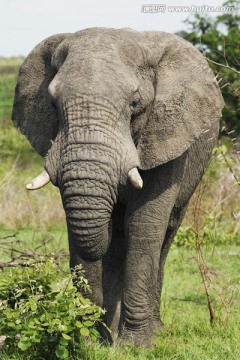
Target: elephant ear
x: 33, y: 112
x: 187, y: 100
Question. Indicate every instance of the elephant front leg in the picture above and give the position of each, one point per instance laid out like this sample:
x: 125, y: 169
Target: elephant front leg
x: 113, y: 281
x: 113, y: 267
x: 141, y: 272
x: 146, y: 222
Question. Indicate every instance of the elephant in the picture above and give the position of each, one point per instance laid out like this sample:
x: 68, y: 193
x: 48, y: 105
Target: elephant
x: 126, y: 121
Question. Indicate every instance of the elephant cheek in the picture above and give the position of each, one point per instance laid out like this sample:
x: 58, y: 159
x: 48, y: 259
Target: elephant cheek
x: 53, y: 163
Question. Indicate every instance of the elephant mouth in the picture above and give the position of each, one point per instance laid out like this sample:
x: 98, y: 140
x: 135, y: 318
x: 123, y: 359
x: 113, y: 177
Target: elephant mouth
x: 43, y: 179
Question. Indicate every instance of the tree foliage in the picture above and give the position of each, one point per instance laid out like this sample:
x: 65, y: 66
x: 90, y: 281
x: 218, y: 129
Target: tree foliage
x: 218, y: 38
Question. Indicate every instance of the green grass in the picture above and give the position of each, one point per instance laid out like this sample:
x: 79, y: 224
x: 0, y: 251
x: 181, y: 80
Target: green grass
x: 187, y: 333
x: 19, y: 163
x: 8, y: 76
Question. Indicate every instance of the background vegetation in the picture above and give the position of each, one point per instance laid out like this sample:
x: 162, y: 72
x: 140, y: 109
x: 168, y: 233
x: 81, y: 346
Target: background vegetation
x: 218, y: 38
x: 201, y: 300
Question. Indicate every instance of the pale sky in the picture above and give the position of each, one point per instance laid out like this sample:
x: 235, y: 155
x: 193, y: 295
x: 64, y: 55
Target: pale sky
x: 24, y: 23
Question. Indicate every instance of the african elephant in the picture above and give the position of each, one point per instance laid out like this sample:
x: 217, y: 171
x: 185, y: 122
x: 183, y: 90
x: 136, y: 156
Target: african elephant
x: 126, y: 121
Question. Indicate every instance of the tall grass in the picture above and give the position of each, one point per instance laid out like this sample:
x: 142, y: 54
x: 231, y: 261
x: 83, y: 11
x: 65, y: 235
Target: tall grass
x: 18, y: 164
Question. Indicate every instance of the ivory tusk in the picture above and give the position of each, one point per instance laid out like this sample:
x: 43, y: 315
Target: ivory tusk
x: 40, y: 181
x: 135, y: 178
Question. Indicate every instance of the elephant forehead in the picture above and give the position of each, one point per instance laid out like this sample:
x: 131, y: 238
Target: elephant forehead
x: 111, y: 41
x: 95, y: 40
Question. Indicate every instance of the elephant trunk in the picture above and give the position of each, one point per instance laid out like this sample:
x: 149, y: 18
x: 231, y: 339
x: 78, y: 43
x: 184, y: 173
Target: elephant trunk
x: 89, y: 189
x: 96, y: 157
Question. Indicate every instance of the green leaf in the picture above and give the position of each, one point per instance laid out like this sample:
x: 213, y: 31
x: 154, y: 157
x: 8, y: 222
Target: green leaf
x: 31, y: 326
x: 11, y: 324
x: 70, y: 328
x: 24, y: 343
x: 95, y: 332
x: 61, y: 352
x: 88, y: 323
x: 63, y: 342
x: 66, y: 337
x: 78, y: 324
x: 84, y: 331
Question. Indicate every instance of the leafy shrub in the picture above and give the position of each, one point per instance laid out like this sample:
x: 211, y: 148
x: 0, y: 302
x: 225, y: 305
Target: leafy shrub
x: 47, y: 317
x: 185, y: 237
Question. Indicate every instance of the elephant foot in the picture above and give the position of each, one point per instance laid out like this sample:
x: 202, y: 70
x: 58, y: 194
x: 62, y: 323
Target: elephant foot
x: 157, y: 325
x: 135, y: 337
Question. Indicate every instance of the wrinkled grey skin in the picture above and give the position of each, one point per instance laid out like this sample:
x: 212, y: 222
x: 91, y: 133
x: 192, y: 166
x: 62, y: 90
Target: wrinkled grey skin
x: 112, y: 100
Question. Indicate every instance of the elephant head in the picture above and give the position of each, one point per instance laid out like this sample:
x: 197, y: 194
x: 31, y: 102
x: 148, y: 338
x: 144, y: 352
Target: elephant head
x: 100, y: 103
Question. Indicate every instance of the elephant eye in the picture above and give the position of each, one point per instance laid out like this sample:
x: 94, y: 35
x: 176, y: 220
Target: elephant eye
x: 135, y: 103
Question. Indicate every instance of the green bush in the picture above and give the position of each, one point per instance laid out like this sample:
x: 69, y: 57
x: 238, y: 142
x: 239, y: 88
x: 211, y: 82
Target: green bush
x: 42, y: 315
x: 185, y: 237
